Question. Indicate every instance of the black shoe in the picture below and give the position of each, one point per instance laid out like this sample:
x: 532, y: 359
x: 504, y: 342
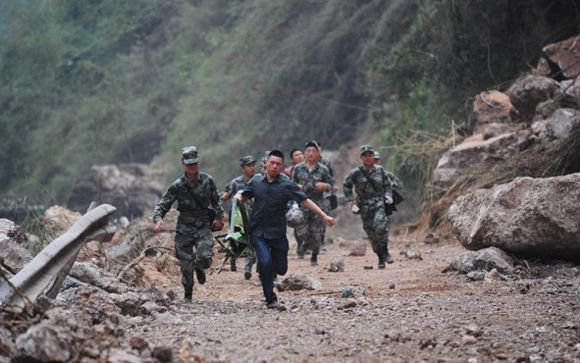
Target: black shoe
x: 389, y: 259
x: 233, y: 267
x: 381, y: 266
x: 274, y: 304
x: 188, y: 293
x: 247, y: 275
x: 200, y: 274
x: 300, y: 256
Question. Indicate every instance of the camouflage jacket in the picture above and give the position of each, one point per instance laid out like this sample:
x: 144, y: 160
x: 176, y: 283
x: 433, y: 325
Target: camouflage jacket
x: 307, y: 179
x: 328, y: 165
x: 364, y: 189
x: 235, y: 185
x: 203, y: 188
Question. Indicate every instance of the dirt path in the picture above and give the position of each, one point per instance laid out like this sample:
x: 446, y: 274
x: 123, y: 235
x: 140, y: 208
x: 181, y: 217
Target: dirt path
x: 410, y: 312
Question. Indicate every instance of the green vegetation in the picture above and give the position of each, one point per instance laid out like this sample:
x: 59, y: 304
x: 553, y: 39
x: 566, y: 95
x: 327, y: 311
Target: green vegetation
x: 84, y: 82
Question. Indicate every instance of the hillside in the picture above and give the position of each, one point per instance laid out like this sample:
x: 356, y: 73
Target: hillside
x: 91, y: 82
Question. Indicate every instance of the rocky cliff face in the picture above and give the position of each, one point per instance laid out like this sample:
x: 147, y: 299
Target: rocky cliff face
x: 532, y: 130
x: 133, y: 189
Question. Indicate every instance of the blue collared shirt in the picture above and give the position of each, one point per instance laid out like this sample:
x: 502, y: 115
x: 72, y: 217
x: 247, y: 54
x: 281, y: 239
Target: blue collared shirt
x: 268, y: 218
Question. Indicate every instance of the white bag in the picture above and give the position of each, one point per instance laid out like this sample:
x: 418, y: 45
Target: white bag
x: 294, y: 216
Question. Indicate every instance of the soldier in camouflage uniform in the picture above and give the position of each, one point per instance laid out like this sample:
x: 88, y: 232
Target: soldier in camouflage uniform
x: 377, y: 158
x: 314, y: 179
x: 370, y: 201
x: 326, y: 204
x: 194, y: 192
x: 248, y: 166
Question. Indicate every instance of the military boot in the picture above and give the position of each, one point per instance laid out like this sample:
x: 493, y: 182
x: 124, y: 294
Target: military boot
x: 381, y: 260
x: 389, y: 258
x: 314, y: 259
x: 200, y: 274
x: 188, y: 293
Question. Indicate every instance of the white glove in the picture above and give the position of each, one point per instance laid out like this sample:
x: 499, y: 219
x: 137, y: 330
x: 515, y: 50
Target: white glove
x: 355, y: 209
x: 388, y: 200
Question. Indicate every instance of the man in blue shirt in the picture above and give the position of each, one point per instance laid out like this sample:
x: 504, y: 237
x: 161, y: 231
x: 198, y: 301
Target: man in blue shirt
x: 271, y: 193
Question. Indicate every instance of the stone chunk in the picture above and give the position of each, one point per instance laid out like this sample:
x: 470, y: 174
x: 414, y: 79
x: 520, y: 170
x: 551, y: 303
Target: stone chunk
x: 529, y: 216
x: 336, y: 265
x: 299, y: 282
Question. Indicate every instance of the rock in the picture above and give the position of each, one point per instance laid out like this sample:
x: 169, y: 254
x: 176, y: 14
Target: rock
x: 128, y: 243
x: 571, y: 93
x: 482, y: 260
x: 392, y: 286
x: 393, y: 335
x: 138, y: 343
x: 130, y: 304
x: 545, y: 109
x: 536, y: 217
x: 45, y: 342
x: 473, y: 329
x: 12, y: 255
x: 336, y: 265
x: 431, y: 238
x: 527, y: 92
x: 494, y: 129
x: 412, y: 254
x: 476, y: 275
x: 57, y: 220
x: 299, y: 282
x: 490, y: 107
x: 352, y: 291
x: 564, y: 57
x: 358, y: 249
x: 88, y: 273
x: 7, y: 346
x: 540, y: 128
x: 494, y: 275
x: 561, y: 123
x: 121, y: 356
x: 152, y: 307
x: 348, y: 304
x: 163, y: 354
x: 474, y: 152
x: 468, y: 339
x: 133, y: 189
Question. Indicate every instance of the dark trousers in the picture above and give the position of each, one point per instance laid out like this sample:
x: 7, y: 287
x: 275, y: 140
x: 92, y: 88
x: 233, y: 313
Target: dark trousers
x: 272, y: 257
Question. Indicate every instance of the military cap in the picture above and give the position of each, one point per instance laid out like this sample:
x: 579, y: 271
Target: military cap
x: 377, y: 155
x: 312, y: 143
x: 247, y: 160
x: 366, y: 149
x: 189, y: 155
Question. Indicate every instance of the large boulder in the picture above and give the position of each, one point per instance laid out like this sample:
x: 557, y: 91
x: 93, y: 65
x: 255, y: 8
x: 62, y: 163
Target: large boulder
x: 571, y: 93
x: 527, y: 92
x: 490, y: 107
x: 562, y: 122
x: 57, y: 220
x: 482, y: 260
x: 564, y: 57
x: 535, y: 217
x: 474, y: 152
x: 12, y: 254
x: 133, y: 189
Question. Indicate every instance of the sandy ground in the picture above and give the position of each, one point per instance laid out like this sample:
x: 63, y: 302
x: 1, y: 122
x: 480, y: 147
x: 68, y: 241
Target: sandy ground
x: 409, y: 312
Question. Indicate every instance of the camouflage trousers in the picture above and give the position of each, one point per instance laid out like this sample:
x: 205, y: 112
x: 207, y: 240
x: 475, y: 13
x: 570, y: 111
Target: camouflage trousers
x: 310, y: 234
x: 376, y: 225
x: 193, y: 249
